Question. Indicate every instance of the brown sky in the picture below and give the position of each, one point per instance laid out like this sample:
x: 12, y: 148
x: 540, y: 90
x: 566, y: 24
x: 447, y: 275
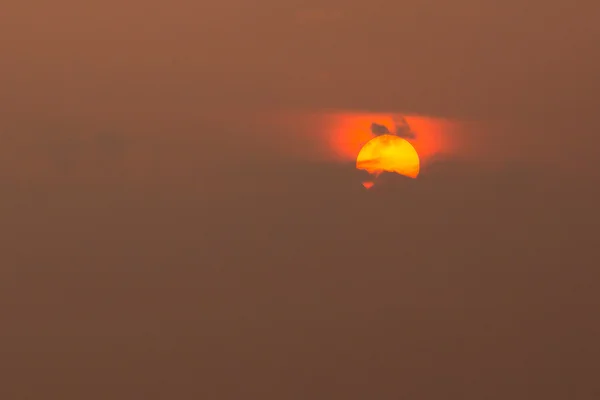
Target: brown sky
x: 532, y: 66
x: 462, y: 58
x: 159, y: 240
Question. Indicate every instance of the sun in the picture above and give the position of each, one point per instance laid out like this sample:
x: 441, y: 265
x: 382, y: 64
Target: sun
x: 389, y: 153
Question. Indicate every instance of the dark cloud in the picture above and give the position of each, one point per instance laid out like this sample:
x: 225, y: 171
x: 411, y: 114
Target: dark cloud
x: 378, y: 129
x: 401, y: 128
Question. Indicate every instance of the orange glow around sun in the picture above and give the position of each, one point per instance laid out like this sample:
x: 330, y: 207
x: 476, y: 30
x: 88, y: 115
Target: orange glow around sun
x: 339, y: 136
x: 349, y: 132
x: 388, y: 153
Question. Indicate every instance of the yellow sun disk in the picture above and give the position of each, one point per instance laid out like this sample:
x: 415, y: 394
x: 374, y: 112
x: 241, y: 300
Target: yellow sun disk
x: 389, y: 153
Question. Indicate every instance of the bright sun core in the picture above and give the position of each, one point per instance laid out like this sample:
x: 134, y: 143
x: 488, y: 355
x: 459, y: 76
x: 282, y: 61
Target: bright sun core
x: 388, y: 153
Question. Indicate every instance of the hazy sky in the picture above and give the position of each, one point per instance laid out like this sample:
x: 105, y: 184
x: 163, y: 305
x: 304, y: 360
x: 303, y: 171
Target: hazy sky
x: 466, y: 58
x: 530, y: 67
x: 167, y: 231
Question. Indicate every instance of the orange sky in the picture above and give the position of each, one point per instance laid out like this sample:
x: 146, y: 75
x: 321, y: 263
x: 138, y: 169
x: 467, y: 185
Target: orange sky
x: 348, y: 132
x: 339, y: 135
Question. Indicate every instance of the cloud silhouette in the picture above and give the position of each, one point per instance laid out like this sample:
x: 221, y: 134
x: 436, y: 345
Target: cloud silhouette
x: 402, y: 128
x: 378, y: 129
